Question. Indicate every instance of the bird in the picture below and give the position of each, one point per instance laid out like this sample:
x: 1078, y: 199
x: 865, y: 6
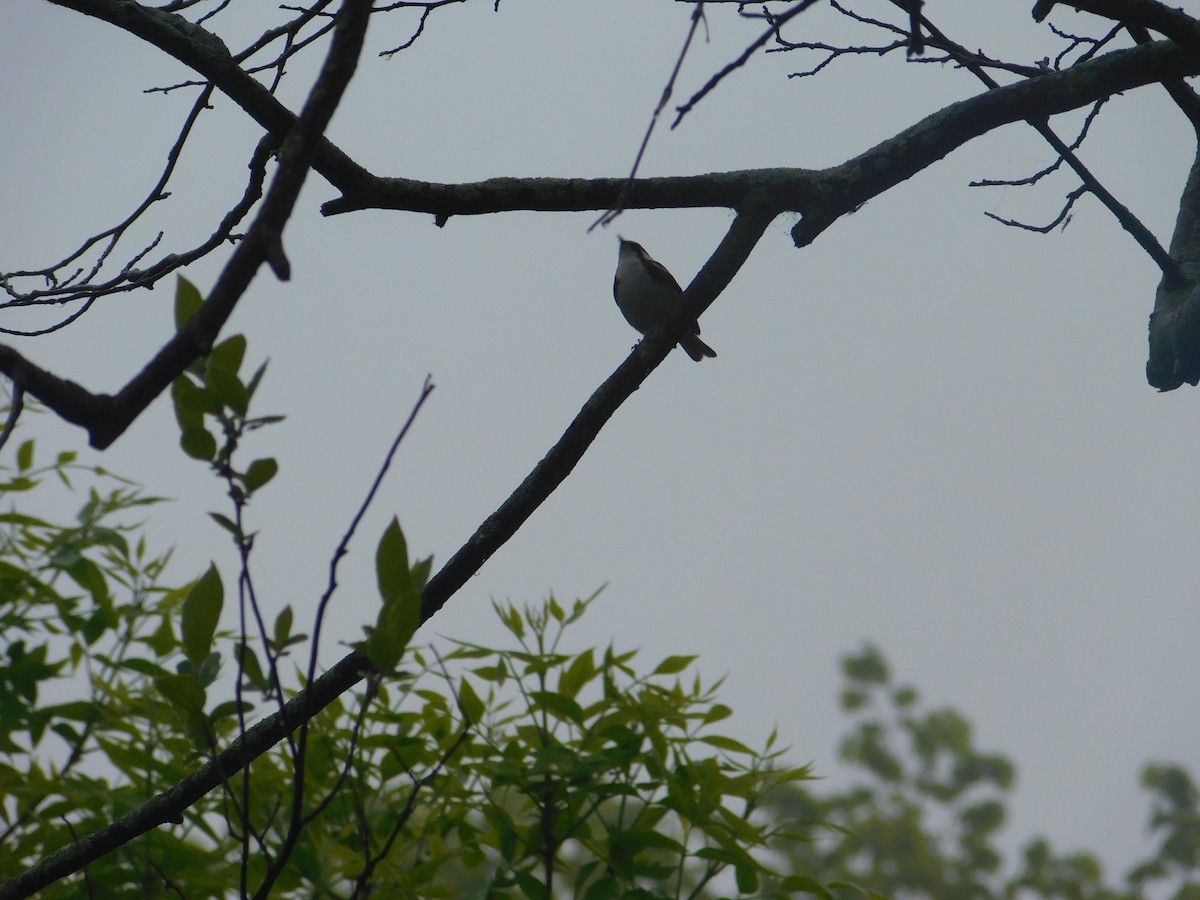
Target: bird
x: 648, y: 295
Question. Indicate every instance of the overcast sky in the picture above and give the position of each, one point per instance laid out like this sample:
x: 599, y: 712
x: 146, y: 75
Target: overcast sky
x: 926, y: 430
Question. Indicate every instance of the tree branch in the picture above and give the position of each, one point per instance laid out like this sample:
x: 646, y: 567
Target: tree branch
x: 550, y: 472
x: 1174, y: 358
x: 825, y: 194
x: 1172, y: 23
x: 558, y: 463
x: 1124, y: 216
x: 107, y: 416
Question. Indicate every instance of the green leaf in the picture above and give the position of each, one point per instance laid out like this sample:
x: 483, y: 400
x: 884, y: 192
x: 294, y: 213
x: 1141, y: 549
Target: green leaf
x: 186, y: 414
x: 142, y: 667
x: 391, y: 562
x: 747, y: 879
x: 260, y: 472
x: 77, y: 711
x: 192, y: 401
x: 469, y: 702
x: 511, y: 618
x: 208, y: 670
x: 557, y: 705
x: 250, y: 666
x: 162, y: 640
x: 25, y: 456
x: 201, y: 610
x: 283, y: 627
x: 581, y: 670
x: 255, y: 379
x: 498, y: 674
x: 420, y: 573
x: 188, y: 302
x: 673, y: 664
x: 228, y: 354
x: 227, y: 523
x: 727, y: 743
x: 183, y: 692
x: 259, y: 421
x: 799, y: 884
x: 716, y: 713
x: 603, y: 889
x: 228, y: 710
x: 229, y: 390
x: 394, y: 628
x: 198, y: 444
x: 88, y: 576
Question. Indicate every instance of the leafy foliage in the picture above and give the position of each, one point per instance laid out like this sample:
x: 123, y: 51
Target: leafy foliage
x: 511, y: 772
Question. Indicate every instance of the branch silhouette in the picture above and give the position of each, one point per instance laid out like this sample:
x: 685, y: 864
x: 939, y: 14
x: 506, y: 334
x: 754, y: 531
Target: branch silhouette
x: 495, y: 531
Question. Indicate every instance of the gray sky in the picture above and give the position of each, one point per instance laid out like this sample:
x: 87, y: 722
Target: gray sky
x: 926, y: 430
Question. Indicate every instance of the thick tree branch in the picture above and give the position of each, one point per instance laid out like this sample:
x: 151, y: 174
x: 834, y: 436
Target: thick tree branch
x: 1173, y: 23
x: 1174, y: 358
x: 822, y: 194
x: 107, y: 416
x: 899, y: 158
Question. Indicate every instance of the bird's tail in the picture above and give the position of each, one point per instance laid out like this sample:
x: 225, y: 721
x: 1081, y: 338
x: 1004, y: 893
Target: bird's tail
x: 696, y: 348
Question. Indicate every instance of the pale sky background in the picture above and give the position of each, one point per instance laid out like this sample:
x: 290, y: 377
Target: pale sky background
x: 926, y: 430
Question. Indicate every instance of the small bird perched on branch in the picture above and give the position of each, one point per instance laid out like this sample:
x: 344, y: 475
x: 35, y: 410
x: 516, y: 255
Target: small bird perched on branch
x: 648, y: 295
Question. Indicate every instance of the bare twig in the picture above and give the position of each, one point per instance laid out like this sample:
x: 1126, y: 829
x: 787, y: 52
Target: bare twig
x: 1054, y: 166
x: 776, y: 23
x: 1169, y: 21
x: 106, y: 416
x: 1137, y: 230
x: 618, y: 205
x: 78, y: 285
x: 1063, y: 216
x: 343, y: 546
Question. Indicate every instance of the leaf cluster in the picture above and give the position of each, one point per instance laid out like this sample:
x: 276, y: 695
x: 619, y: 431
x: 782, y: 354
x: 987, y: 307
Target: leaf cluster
x: 503, y: 772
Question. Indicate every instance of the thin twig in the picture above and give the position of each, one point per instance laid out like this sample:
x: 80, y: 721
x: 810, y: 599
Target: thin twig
x: 623, y: 197
x: 777, y: 22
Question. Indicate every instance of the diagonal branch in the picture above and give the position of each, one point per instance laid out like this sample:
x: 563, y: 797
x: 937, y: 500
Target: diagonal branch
x: 1132, y: 224
x: 107, y: 416
x: 558, y: 463
x: 1172, y: 23
x: 919, y: 146
x: 167, y: 806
